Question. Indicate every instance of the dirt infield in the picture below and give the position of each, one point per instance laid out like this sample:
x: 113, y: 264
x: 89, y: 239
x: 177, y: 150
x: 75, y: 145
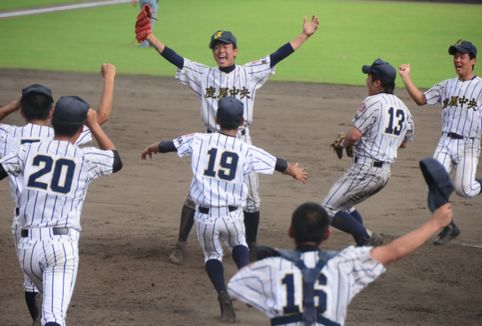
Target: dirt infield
x: 130, y: 220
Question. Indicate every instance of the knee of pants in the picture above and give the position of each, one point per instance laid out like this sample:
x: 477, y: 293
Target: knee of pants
x: 467, y: 191
x: 331, y: 211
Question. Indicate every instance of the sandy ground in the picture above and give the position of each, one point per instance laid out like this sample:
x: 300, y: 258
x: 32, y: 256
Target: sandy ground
x: 130, y: 220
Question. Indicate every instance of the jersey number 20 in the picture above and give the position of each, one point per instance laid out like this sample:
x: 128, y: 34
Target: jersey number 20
x: 58, y: 166
x: 227, y: 165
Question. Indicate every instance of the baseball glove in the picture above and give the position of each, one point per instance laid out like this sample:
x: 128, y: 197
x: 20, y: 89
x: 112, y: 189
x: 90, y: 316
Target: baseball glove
x: 143, y: 23
x: 338, y: 147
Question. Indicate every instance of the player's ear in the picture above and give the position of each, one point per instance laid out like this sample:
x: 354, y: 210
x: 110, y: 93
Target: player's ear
x: 51, y: 113
x: 290, y: 232
x: 327, y: 234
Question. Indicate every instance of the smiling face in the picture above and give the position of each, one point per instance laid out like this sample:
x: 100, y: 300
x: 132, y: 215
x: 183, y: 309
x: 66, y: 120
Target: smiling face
x: 224, y: 54
x: 463, y: 65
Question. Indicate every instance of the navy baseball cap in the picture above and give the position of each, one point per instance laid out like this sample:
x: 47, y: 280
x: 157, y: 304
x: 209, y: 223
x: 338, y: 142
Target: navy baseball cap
x: 223, y: 37
x: 230, y: 111
x: 463, y: 46
x: 37, y: 89
x: 439, y: 184
x: 71, y: 110
x: 381, y: 69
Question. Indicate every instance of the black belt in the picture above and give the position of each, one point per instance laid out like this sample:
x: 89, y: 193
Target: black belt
x: 453, y: 135
x: 55, y: 231
x: 377, y: 164
x: 210, y: 131
x: 17, y: 211
x: 205, y: 210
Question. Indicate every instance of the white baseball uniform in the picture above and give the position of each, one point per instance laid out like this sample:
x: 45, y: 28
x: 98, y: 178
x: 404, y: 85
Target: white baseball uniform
x: 459, y: 144
x: 219, y: 165
x: 384, y: 122
x: 274, y: 285
x: 54, y: 179
x: 11, y: 137
x: 211, y: 84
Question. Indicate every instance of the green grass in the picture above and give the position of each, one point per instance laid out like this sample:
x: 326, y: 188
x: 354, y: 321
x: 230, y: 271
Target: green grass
x: 24, y: 4
x: 351, y: 33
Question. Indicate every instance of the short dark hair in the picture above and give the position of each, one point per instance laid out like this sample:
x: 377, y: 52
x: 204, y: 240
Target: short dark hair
x: 229, y: 125
x: 310, y: 222
x: 35, y: 106
x: 388, y: 86
x: 65, y: 129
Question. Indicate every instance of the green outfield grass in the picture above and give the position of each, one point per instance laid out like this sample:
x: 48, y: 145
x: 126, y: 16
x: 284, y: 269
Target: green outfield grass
x: 23, y: 4
x: 351, y: 33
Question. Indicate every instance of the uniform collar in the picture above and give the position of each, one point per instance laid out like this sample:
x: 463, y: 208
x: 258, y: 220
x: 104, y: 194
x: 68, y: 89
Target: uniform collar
x: 227, y: 70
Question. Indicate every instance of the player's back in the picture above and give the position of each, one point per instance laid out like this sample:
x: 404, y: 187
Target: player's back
x: 219, y: 165
x: 55, y: 176
x: 385, y: 122
x: 274, y: 285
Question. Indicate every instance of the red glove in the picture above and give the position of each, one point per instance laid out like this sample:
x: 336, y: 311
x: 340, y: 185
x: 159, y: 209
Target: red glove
x: 143, y: 23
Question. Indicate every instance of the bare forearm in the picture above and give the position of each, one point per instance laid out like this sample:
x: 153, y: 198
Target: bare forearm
x: 299, y: 40
x: 105, y: 105
x: 9, y: 108
x: 158, y: 45
x: 102, y: 139
x: 417, y: 95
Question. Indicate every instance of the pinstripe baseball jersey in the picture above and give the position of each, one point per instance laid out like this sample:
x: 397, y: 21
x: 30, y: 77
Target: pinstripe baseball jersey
x: 461, y: 103
x: 385, y: 122
x: 219, y: 165
x: 55, y: 176
x: 274, y: 285
x: 211, y: 84
x: 11, y: 137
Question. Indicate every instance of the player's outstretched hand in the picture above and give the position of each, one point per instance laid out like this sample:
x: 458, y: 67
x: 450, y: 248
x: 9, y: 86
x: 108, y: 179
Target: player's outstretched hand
x: 310, y: 26
x: 108, y: 71
x: 299, y: 173
x: 149, y: 150
x: 404, y: 70
x: 91, y: 118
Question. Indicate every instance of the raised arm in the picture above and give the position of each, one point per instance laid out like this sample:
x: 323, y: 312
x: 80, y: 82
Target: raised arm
x: 166, y: 52
x: 104, y: 111
x: 162, y: 147
x: 417, y: 95
x: 408, y: 243
x: 102, y: 139
x: 309, y: 28
x: 9, y: 108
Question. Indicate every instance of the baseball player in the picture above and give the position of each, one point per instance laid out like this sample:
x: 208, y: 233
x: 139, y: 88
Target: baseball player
x: 313, y: 287
x: 213, y: 83
x: 220, y: 162
x: 55, y: 174
x: 381, y: 125
x: 459, y: 144
x: 36, y: 105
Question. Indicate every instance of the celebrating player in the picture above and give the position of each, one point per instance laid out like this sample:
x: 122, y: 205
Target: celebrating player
x: 220, y: 163
x: 313, y: 287
x: 213, y: 83
x: 36, y: 105
x: 459, y: 145
x: 55, y: 174
x: 381, y: 125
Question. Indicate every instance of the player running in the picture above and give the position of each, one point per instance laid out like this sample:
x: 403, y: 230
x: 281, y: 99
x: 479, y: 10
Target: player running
x: 381, y: 125
x: 227, y: 79
x: 220, y: 163
x: 459, y: 144
x: 55, y: 174
x: 36, y: 106
x: 309, y: 286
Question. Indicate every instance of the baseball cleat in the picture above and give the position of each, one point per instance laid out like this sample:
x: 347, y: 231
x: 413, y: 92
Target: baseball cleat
x: 177, y: 255
x: 448, y: 233
x: 227, y: 310
x: 373, y: 241
x: 38, y: 305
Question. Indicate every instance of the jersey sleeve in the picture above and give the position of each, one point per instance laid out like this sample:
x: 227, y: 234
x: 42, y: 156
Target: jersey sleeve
x: 183, y: 144
x: 259, y: 71
x: 14, y: 162
x: 409, y: 136
x: 259, y: 161
x: 366, y: 114
x: 434, y: 94
x: 255, y: 285
x: 191, y: 75
x: 4, y: 131
x: 85, y: 136
x: 357, y: 265
x: 100, y: 162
